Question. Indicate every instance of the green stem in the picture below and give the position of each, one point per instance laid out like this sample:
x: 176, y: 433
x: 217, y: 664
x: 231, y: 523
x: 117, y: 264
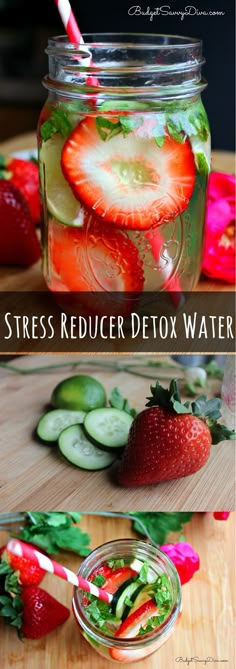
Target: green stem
x: 131, y: 368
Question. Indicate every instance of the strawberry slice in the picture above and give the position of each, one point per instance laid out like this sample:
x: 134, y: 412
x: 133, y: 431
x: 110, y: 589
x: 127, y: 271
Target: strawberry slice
x: 129, y: 629
x: 129, y: 181
x: 117, y: 578
x: 94, y: 257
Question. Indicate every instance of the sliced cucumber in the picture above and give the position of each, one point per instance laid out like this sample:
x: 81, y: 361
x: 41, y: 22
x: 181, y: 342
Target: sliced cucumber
x: 128, y: 589
x: 133, y: 598
x: 108, y: 427
x: 76, y: 448
x: 53, y: 422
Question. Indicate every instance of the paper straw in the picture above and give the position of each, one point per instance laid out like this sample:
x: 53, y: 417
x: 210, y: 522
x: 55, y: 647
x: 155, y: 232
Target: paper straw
x: 69, y: 22
x: 22, y: 549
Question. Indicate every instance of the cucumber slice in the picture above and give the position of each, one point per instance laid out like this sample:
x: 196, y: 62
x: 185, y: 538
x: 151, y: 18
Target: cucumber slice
x: 53, y: 422
x: 108, y: 427
x: 128, y: 591
x: 76, y: 448
x: 133, y: 598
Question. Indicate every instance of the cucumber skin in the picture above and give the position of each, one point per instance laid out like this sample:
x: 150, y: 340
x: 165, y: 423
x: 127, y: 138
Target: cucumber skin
x: 108, y: 449
x: 103, y: 447
x: 44, y: 440
x: 65, y: 457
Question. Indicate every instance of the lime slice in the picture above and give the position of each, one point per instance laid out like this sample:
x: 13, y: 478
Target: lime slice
x: 61, y: 202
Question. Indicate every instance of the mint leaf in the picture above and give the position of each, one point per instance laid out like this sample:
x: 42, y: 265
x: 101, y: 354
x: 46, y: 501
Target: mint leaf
x: 128, y: 602
x: 99, y: 580
x: 116, y: 564
x: 58, y: 122
x: 129, y: 123
x: 117, y: 401
x: 107, y: 129
x: 175, y: 130
x: 159, y: 141
x: 202, y: 165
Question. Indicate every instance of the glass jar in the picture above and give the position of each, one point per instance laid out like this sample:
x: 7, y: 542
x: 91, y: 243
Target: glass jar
x: 124, y: 155
x: 128, y: 649
x: 228, y: 393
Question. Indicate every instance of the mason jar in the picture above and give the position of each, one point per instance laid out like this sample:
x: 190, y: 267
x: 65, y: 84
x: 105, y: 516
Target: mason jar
x: 124, y: 156
x: 137, y: 648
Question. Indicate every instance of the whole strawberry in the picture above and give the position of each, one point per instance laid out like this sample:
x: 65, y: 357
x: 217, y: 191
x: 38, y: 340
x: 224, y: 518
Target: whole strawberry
x: 169, y: 439
x: 42, y: 613
x: 24, y: 174
x: 28, y: 573
x: 19, y: 244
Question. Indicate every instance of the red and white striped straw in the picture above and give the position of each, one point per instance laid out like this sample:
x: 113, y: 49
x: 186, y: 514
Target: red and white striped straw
x: 22, y: 549
x: 69, y: 22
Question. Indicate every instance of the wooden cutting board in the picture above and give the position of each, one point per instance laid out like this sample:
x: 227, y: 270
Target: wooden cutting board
x: 206, y: 627
x: 35, y: 476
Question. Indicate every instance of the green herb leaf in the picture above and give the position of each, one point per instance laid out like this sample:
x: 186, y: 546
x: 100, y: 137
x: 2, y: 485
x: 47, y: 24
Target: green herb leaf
x: 99, y: 580
x: 202, y: 165
x: 54, y: 531
x: 213, y: 370
x: 107, y: 129
x: 157, y: 525
x: 117, y: 401
x: 128, y: 602
x: 160, y: 141
x: 175, y: 130
x: 129, y: 123
x: 58, y: 122
x: 116, y: 564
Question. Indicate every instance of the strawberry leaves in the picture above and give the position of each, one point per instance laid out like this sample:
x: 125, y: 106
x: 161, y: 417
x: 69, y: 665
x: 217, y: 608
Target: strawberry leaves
x: 168, y: 399
x: 207, y: 410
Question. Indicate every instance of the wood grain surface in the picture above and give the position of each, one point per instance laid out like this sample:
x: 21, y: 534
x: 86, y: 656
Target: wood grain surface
x: 206, y: 628
x: 35, y: 476
x: 31, y: 279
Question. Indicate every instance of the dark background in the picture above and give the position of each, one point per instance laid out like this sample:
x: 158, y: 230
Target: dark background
x: 23, y: 38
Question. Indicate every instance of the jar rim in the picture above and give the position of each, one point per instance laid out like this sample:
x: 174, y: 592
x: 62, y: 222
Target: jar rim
x: 166, y: 40
x: 141, y: 547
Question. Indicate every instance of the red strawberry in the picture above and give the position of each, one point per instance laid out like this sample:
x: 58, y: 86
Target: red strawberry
x: 129, y: 181
x: 29, y: 574
x: 42, y: 613
x: 221, y: 515
x: 117, y: 578
x: 129, y: 629
x: 19, y: 244
x: 170, y: 440
x: 94, y: 257
x: 24, y: 174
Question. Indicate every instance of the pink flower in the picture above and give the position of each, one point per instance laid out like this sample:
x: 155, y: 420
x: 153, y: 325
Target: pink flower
x: 219, y: 250
x: 221, y: 515
x: 184, y: 558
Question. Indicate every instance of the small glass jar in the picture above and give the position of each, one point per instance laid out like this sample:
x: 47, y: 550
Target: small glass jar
x: 228, y: 393
x: 130, y: 649
x: 124, y: 156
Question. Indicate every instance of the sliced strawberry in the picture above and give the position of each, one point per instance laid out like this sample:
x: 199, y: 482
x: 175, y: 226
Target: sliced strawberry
x: 117, y: 577
x: 95, y: 257
x: 104, y: 571
x: 129, y: 629
x: 129, y: 181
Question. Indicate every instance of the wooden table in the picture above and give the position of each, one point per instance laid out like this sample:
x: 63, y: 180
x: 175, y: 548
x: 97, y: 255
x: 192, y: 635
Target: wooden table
x: 31, y: 279
x: 206, y: 628
x: 35, y: 476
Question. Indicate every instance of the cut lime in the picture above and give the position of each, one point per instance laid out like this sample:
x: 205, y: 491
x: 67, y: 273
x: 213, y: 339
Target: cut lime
x: 61, y: 202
